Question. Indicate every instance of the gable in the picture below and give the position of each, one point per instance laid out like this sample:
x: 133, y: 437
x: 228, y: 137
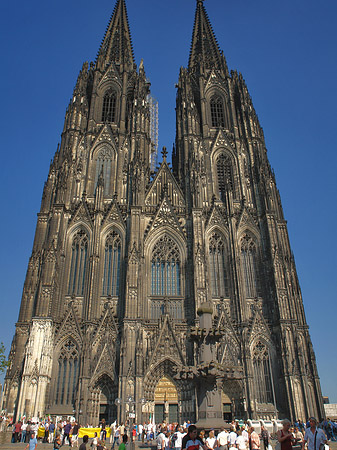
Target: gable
x: 165, y: 217
x: 164, y: 183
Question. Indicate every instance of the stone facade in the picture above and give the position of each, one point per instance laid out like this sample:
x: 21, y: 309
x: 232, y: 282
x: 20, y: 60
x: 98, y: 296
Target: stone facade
x: 123, y: 256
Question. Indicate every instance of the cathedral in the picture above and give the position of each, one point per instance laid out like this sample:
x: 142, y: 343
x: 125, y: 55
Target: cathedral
x: 125, y: 253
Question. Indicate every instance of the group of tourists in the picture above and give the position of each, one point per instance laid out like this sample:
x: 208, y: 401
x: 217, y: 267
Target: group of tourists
x: 245, y: 438
x: 178, y: 437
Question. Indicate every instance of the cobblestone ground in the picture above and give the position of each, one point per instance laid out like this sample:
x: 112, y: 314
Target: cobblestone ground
x: 6, y: 445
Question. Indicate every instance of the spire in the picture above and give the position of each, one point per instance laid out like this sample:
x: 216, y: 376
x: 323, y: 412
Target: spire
x: 116, y: 45
x: 204, y: 48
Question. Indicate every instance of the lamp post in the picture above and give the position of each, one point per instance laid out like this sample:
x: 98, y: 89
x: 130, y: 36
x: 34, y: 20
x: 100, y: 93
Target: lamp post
x: 130, y: 401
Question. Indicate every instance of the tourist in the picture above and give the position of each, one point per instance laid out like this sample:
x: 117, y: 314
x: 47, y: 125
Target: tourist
x: 161, y: 440
x: 122, y: 446
x: 103, y: 432
x: 191, y: 439
x: 285, y: 436
x: 177, y: 439
x: 51, y: 432
x: 57, y: 441
x: 222, y: 439
x: 100, y: 445
x: 74, y: 434
x: 211, y: 441
x: 254, y: 439
x: 83, y: 446
x: 94, y: 442
x: 32, y: 444
x: 232, y: 437
x: 265, y: 437
x: 240, y: 442
x: 298, y: 439
x: 313, y: 436
x: 66, y: 433
x: 23, y: 432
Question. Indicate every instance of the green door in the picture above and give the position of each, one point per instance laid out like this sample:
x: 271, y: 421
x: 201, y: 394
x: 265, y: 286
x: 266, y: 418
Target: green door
x: 173, y: 413
x: 159, y: 413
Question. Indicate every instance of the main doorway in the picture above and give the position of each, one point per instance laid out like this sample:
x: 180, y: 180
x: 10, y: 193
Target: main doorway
x: 166, y: 401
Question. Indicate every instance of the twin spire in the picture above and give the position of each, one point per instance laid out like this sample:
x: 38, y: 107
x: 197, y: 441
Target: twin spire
x: 117, y: 45
x: 205, y: 48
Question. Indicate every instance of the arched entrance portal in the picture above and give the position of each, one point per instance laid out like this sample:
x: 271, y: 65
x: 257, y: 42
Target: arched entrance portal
x: 166, y: 401
x: 103, y: 400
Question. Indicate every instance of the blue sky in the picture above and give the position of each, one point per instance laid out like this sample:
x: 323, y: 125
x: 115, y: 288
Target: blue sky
x: 286, y: 52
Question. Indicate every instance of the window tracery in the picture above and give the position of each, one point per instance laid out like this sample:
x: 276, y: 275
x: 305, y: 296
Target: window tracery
x: 67, y: 376
x: 249, y: 262
x: 217, y: 259
x: 225, y: 175
x: 217, y: 112
x: 262, y: 373
x: 109, y: 106
x: 112, y: 263
x: 79, y: 251
x: 104, y: 166
x: 165, y: 268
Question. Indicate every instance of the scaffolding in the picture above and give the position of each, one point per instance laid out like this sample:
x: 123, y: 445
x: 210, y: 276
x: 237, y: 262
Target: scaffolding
x: 153, y: 104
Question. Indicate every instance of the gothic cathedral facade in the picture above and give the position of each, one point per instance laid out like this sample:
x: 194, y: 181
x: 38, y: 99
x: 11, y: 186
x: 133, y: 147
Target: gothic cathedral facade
x: 124, y: 255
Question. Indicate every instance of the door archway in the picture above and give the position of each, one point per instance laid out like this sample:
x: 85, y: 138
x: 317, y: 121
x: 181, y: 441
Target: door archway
x: 166, y: 401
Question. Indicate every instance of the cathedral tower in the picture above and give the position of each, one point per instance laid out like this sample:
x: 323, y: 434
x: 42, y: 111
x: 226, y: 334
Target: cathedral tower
x: 123, y: 257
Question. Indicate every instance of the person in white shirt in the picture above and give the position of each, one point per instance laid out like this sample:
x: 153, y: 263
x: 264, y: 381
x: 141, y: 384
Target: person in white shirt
x: 211, y: 441
x: 177, y: 438
x: 140, y: 431
x: 161, y: 440
x: 232, y: 438
x: 240, y: 441
x: 222, y: 439
x: 314, y: 437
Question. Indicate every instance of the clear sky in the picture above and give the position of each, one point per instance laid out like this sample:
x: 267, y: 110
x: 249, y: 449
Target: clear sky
x: 286, y: 52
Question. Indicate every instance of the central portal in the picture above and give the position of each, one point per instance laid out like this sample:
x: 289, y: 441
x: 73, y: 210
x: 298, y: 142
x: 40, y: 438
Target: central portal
x: 166, y: 402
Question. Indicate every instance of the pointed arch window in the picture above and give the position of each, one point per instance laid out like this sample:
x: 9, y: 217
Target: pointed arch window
x: 79, y: 253
x: 165, y: 268
x: 104, y: 167
x: 217, y: 112
x: 67, y: 376
x: 109, y: 106
x: 112, y: 264
x: 217, y: 260
x: 249, y: 262
x: 262, y: 373
x: 225, y: 175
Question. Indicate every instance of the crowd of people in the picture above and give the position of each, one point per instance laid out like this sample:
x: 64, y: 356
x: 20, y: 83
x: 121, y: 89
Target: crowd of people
x: 173, y: 436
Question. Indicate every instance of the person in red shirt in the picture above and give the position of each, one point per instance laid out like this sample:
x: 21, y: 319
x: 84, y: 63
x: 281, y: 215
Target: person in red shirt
x: 17, y: 432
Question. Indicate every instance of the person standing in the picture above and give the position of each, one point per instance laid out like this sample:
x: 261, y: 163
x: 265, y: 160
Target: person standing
x: 122, y: 446
x: 285, y: 436
x: 83, y: 446
x: 23, y: 432
x: 74, y: 434
x: 51, y: 432
x: 222, y: 439
x: 161, y: 440
x: 32, y: 444
x: 240, y: 442
x: 66, y: 432
x: 211, y: 441
x: 265, y: 437
x: 232, y: 437
x: 314, y: 437
x: 254, y: 439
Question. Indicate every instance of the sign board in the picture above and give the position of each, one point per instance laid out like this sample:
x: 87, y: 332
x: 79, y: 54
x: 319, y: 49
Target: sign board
x: 132, y: 415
